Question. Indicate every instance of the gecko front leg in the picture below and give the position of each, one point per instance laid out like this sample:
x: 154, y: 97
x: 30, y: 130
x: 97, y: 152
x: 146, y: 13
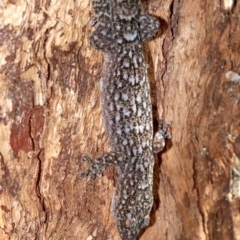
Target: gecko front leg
x: 98, y: 165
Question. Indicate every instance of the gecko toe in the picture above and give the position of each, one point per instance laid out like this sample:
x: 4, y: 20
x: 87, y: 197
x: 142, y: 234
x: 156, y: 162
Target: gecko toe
x: 99, y: 174
x: 84, y: 174
x: 92, y: 177
x: 168, y: 135
x: 87, y: 159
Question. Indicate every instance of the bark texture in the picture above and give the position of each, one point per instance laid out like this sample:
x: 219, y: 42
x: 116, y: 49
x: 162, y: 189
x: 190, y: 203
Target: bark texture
x: 50, y: 115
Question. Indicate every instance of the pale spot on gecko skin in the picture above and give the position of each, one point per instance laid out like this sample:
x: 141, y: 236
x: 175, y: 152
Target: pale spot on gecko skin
x: 142, y: 83
x: 124, y: 97
x: 134, y: 108
x: 111, y: 90
x: 133, y: 192
x: 138, y: 78
x: 116, y: 96
x: 131, y: 183
x: 118, y: 107
x: 140, y: 150
x: 147, y: 196
x: 139, y: 128
x: 139, y: 98
x: 126, y: 63
x: 130, y: 54
x: 144, y: 105
x: 129, y: 175
x: 125, y: 75
x: 140, y: 167
x: 119, y: 41
x: 126, y: 112
x: 131, y: 126
x: 119, y: 131
x: 143, y: 185
x: 130, y: 36
x: 111, y: 108
x: 132, y: 79
x: 103, y: 32
x: 128, y: 28
x: 117, y: 118
x: 131, y: 142
x: 119, y: 84
x: 139, y: 112
x: 146, y: 164
x: 135, y: 61
x: 134, y: 150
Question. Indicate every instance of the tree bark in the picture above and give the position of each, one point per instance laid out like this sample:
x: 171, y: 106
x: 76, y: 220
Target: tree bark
x: 51, y: 116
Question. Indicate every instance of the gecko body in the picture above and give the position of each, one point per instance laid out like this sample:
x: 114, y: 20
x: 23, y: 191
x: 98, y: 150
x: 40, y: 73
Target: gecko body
x: 127, y: 111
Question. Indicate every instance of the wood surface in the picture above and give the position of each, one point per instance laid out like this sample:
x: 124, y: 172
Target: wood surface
x: 50, y: 115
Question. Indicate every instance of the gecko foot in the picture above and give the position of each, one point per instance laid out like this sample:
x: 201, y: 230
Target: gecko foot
x: 160, y: 136
x: 95, y: 168
x: 98, y: 165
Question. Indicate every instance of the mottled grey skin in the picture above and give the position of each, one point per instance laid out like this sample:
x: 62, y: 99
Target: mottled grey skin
x: 127, y: 111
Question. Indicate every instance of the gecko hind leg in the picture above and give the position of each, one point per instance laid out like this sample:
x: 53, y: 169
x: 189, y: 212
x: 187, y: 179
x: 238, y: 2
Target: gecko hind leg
x: 160, y: 136
x: 98, y: 165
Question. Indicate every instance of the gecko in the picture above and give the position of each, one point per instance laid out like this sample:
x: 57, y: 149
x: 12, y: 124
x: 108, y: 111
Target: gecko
x: 127, y: 111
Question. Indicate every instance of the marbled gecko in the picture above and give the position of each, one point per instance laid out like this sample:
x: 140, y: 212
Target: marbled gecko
x: 127, y: 111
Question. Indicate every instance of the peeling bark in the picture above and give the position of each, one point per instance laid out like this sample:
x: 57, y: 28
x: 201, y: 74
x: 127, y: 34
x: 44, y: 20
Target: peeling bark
x: 50, y: 115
